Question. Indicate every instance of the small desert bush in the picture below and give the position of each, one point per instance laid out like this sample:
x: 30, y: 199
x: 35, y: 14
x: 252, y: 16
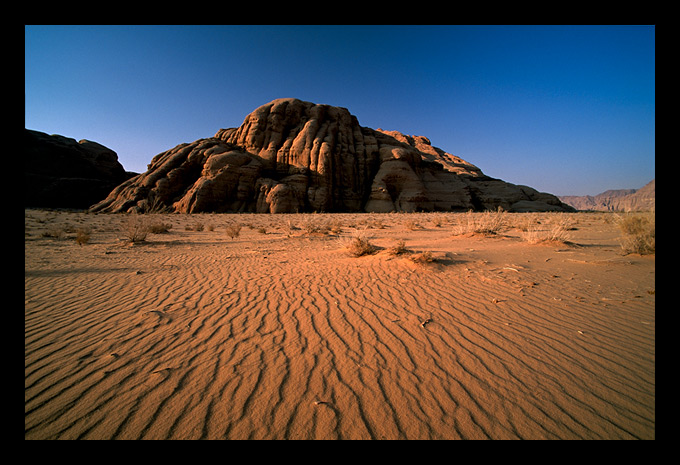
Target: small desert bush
x: 233, y: 230
x: 411, y: 225
x: 359, y: 244
x: 288, y: 227
x: 375, y: 223
x: 438, y: 220
x: 158, y: 227
x: 398, y: 249
x: 83, y: 235
x: 55, y: 232
x: 488, y: 222
x: 422, y: 258
x: 194, y: 227
x: 334, y: 225
x: 556, y: 233
x: 135, y: 228
x: 311, y: 226
x: 639, y: 235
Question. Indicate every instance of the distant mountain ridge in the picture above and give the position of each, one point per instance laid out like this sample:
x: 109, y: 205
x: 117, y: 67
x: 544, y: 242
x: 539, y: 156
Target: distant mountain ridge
x: 625, y: 200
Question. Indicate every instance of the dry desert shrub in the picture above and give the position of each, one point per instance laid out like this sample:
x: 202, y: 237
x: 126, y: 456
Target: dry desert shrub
x: 359, y: 244
x: 411, y: 225
x: 334, y: 225
x: 233, y: 230
x: 438, y: 220
x: 312, y: 226
x: 556, y: 233
x: 423, y: 258
x: 555, y: 229
x: 639, y: 233
x: 197, y: 226
x: 83, y: 235
x: 372, y: 222
x: 525, y: 221
x: 56, y: 232
x: 135, y: 228
x: 488, y: 223
x: 398, y: 249
x: 159, y: 227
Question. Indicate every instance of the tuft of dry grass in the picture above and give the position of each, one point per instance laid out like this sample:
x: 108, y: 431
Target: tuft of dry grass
x: 557, y: 234
x: 411, y: 225
x: 83, y: 235
x: 438, y: 220
x: 359, y: 245
x: 487, y: 223
x: 158, y: 227
x: 398, y: 249
x: 135, y: 228
x: 423, y: 257
x: 197, y: 226
x: 639, y: 233
x: 233, y: 230
x: 56, y: 232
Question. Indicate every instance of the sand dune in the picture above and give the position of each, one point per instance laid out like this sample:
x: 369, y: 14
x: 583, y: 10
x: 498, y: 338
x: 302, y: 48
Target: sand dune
x: 283, y: 335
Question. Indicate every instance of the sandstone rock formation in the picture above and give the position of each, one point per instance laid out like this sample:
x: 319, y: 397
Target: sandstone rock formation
x: 62, y: 173
x: 624, y: 200
x: 295, y: 156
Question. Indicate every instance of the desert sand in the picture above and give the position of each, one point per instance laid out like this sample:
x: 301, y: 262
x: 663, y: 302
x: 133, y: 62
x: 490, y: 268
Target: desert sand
x: 280, y: 333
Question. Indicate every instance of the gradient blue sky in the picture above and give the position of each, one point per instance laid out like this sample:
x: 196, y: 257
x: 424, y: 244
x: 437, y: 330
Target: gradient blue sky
x: 563, y: 109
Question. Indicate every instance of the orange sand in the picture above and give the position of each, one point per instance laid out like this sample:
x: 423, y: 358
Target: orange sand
x: 283, y: 335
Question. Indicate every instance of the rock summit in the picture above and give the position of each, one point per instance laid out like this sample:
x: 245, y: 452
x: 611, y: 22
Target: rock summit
x: 295, y: 156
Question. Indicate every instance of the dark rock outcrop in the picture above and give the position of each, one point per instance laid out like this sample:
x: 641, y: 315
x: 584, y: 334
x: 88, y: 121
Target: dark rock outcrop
x: 62, y: 173
x: 295, y: 156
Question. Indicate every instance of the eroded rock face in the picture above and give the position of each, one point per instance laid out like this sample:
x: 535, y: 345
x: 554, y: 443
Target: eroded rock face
x: 626, y: 200
x: 294, y: 156
x: 62, y: 173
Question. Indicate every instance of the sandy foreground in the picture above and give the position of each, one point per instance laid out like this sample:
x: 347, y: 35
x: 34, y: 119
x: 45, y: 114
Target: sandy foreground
x: 280, y: 334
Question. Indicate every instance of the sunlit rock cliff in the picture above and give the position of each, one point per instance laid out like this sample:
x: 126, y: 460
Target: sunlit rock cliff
x: 296, y: 156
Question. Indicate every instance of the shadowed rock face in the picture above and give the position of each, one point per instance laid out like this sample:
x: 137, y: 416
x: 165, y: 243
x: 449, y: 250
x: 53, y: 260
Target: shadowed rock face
x: 62, y: 173
x: 295, y: 156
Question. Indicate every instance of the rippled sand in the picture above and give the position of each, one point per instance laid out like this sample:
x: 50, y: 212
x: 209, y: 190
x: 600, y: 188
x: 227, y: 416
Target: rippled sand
x: 283, y: 335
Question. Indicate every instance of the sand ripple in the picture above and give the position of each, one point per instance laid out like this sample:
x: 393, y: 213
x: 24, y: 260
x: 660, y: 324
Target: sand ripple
x: 215, y: 341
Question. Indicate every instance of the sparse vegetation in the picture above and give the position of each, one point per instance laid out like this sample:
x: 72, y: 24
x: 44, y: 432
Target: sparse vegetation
x: 398, y: 249
x: 197, y: 226
x: 556, y: 233
x: 233, y: 230
x: 487, y: 223
x: 412, y: 225
x: 55, y: 232
x: 135, y: 228
x: 359, y: 245
x: 158, y: 227
x: 438, y: 220
x: 639, y: 235
x: 422, y: 258
x: 83, y: 235
x: 553, y: 230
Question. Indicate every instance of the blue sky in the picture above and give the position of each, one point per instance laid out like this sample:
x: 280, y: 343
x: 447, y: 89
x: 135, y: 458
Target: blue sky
x: 563, y: 109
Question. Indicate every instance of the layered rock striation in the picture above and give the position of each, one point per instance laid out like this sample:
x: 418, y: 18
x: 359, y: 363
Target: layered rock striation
x: 62, y: 173
x: 621, y: 200
x: 295, y: 156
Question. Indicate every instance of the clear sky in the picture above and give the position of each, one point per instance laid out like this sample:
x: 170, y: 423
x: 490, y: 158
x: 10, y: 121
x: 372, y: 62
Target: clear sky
x: 568, y: 110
